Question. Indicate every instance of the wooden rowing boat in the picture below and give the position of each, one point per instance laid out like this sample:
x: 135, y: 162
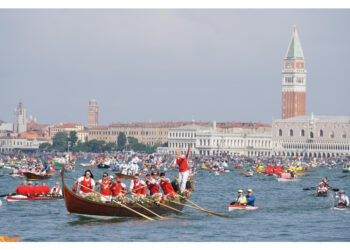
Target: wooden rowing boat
x: 124, y: 176
x: 35, y: 198
x: 241, y: 207
x: 36, y: 177
x: 81, y: 206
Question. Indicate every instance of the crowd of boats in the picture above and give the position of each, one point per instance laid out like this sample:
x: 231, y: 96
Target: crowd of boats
x: 145, y: 198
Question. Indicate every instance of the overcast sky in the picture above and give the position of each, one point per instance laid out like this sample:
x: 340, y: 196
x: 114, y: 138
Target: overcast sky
x: 164, y: 65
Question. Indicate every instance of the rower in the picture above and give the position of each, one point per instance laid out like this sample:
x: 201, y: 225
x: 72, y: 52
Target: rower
x: 30, y: 188
x: 241, y: 200
x: 250, y: 198
x: 325, y: 182
x: 138, y: 187
x: 166, y: 185
x: 56, y: 189
x: 87, y: 183
x: 37, y: 189
x: 153, y: 183
x: 45, y: 189
x: 105, y: 189
x: 343, y: 200
x: 183, y: 168
x: 118, y: 189
x: 22, y: 190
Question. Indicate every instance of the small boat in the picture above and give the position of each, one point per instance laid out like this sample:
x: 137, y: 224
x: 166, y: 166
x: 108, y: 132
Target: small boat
x: 341, y: 208
x: 87, y: 165
x: 85, y: 207
x: 287, y: 180
x: 346, y: 168
x: 36, y: 177
x: 321, y: 194
x: 102, y: 165
x: 124, y: 176
x: 241, y: 207
x: 33, y: 198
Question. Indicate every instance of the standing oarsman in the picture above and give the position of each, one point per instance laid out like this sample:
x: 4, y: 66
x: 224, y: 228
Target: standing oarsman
x: 87, y: 183
x: 138, y: 187
x: 105, y: 189
x: 183, y: 168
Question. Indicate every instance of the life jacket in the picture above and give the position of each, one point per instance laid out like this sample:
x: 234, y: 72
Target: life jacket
x: 153, y: 188
x: 56, y: 190
x: 105, y: 188
x: 137, y: 188
x: 167, y: 187
x: 86, y: 183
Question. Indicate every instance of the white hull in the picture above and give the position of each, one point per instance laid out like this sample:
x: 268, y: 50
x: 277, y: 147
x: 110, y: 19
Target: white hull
x: 341, y: 208
x: 287, y: 180
x: 100, y: 217
x: 232, y: 208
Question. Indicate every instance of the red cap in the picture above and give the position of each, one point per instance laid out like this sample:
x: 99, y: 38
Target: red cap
x: 119, y: 179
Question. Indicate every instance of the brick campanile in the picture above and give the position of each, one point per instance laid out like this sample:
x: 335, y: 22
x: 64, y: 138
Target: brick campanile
x: 92, y: 114
x: 294, y: 80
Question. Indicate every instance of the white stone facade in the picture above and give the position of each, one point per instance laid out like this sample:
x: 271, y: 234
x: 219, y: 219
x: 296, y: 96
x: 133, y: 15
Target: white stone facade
x: 8, y: 144
x: 312, y: 136
x: 208, y: 141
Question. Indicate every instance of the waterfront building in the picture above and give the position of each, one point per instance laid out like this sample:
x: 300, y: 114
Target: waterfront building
x: 92, y: 114
x: 66, y: 127
x: 6, y: 126
x: 20, y: 120
x: 294, y: 80
x: 10, y: 144
x: 311, y: 136
x: 83, y: 135
x: 209, y: 141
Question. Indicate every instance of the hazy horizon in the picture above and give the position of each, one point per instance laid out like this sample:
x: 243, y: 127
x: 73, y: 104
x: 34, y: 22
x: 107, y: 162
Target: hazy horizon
x: 169, y: 64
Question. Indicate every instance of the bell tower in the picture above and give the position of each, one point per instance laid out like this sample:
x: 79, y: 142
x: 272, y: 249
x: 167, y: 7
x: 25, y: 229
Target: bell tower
x: 294, y: 80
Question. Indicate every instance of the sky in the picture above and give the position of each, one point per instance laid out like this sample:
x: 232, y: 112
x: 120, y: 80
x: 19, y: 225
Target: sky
x: 168, y: 64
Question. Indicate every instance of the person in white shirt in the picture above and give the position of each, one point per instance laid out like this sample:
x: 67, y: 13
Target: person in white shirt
x: 56, y: 189
x: 343, y: 200
x: 86, y: 183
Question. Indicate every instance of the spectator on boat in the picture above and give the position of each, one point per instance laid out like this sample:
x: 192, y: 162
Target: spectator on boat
x: 118, y: 189
x: 22, y: 190
x: 241, y: 199
x: 105, y: 189
x: 45, y: 189
x: 138, y: 187
x: 86, y: 183
x: 250, y: 198
x: 56, y: 189
x: 343, y: 200
x: 183, y: 168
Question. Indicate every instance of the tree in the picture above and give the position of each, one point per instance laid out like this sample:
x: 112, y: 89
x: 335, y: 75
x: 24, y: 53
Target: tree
x: 60, y: 141
x: 110, y: 147
x: 73, y: 138
x: 95, y: 145
x: 121, y: 141
x: 45, y: 146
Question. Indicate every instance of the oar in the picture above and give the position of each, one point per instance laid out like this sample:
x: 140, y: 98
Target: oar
x: 119, y: 203
x: 344, y: 176
x: 1, y: 175
x: 182, y: 204
x: 204, y: 210
x: 161, y: 204
x: 149, y: 210
x: 310, y: 188
x: 10, y: 194
x: 301, y: 174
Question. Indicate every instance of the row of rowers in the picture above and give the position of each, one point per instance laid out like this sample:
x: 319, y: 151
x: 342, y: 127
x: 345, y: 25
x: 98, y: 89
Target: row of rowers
x: 110, y: 189
x: 30, y: 190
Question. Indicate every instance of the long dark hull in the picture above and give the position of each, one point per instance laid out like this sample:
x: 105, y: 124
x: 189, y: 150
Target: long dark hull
x: 123, y: 176
x: 35, y: 177
x: 78, y: 205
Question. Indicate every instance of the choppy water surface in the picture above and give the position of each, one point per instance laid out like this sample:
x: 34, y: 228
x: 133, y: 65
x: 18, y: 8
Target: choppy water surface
x: 287, y: 213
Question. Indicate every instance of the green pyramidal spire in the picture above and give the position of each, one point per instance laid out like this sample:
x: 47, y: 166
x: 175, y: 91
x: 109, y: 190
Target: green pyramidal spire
x: 294, y: 50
